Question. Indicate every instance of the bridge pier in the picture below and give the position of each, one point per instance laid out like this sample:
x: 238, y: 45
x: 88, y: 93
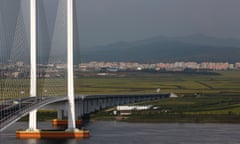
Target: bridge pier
x: 79, y: 109
x: 86, y: 103
x: 103, y: 104
x: 65, y: 113
x: 59, y: 114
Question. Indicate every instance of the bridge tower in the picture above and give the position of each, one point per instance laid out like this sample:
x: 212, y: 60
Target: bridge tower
x: 33, y: 67
x: 70, y: 78
x: 33, y: 62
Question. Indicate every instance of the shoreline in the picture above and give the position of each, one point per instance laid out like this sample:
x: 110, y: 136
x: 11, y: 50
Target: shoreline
x: 164, y: 118
x: 221, y: 119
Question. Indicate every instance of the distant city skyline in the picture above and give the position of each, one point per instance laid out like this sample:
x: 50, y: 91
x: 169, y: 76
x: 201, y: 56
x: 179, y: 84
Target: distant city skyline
x: 20, y: 70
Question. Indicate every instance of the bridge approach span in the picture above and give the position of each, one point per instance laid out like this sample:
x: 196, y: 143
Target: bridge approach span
x: 13, y: 110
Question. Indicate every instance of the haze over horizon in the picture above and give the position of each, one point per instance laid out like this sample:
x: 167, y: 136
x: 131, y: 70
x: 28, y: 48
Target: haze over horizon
x: 107, y: 21
x: 103, y: 22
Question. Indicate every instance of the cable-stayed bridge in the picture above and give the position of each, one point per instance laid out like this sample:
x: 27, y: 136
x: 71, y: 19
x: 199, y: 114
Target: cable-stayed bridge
x: 29, y: 40
x: 14, y: 109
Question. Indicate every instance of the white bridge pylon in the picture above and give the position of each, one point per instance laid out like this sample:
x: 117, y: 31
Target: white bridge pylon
x: 33, y: 67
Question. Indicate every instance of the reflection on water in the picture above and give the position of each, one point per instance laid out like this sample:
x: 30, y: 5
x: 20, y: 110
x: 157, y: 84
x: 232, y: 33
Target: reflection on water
x: 51, y: 141
x: 139, y: 133
x: 31, y: 141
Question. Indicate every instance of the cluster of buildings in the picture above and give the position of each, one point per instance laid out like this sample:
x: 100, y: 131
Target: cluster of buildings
x: 176, y: 66
x: 19, y: 69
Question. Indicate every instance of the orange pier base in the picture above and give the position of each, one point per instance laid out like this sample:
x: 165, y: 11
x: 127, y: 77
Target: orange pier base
x: 80, y: 134
x: 56, y: 122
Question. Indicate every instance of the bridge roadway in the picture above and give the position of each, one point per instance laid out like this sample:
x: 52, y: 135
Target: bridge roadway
x: 14, y: 109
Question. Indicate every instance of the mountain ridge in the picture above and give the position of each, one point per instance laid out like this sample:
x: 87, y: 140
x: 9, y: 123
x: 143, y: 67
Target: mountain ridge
x: 197, y: 48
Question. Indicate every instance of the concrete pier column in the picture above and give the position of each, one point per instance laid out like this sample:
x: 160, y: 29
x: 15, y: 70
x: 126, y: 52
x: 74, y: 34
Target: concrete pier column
x: 86, y: 106
x: 92, y: 106
x: 81, y: 108
x: 95, y: 105
x: 65, y: 113
x: 108, y: 102
x: 60, y: 114
x: 102, y: 104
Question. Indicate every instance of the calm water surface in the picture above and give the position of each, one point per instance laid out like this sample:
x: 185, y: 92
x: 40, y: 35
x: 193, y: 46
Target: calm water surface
x: 139, y: 133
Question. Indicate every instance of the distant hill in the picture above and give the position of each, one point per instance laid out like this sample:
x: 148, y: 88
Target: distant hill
x: 197, y: 48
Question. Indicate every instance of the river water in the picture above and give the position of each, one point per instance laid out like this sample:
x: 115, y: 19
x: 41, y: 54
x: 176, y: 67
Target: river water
x: 138, y: 133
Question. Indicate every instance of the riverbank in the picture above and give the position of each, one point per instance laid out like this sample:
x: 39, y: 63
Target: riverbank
x: 148, y: 117
x: 190, y: 108
x: 172, y: 118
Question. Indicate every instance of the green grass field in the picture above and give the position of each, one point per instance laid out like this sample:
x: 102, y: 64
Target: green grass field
x: 199, y: 94
x: 227, y: 83
x: 202, y: 98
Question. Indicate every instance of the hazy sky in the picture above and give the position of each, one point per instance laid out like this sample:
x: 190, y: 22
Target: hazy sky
x: 106, y: 21
x: 103, y: 22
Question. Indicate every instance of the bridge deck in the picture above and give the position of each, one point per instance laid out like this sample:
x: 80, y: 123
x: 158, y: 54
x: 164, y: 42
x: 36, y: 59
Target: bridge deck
x: 12, y: 110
